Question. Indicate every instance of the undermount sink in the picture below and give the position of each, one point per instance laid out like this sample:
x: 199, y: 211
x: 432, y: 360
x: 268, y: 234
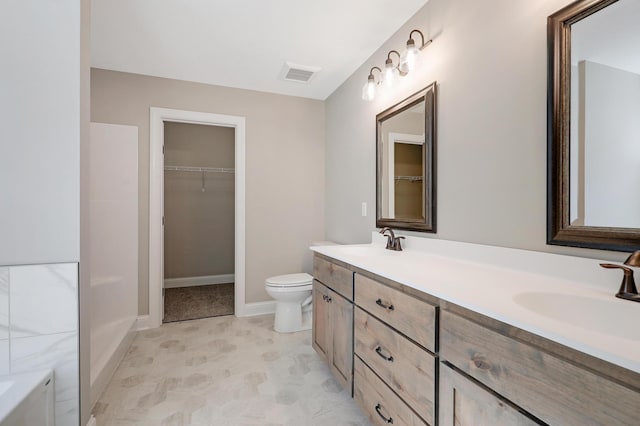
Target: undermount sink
x: 612, y: 317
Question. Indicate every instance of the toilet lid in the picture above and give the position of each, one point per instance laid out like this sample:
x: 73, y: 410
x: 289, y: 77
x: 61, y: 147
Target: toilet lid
x: 290, y: 280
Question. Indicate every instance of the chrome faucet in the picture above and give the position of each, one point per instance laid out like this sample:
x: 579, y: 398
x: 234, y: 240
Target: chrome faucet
x: 393, y: 242
x: 628, y: 288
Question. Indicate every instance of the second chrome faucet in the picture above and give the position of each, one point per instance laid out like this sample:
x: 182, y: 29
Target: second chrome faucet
x: 393, y: 242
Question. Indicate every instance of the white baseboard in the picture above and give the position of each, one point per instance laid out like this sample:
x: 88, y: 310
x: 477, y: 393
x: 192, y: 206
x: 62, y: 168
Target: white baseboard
x: 142, y: 323
x: 104, y: 376
x: 248, y: 310
x: 257, y: 308
x: 194, y: 281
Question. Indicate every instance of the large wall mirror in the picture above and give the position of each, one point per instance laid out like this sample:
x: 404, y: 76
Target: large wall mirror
x: 594, y: 125
x: 405, y: 135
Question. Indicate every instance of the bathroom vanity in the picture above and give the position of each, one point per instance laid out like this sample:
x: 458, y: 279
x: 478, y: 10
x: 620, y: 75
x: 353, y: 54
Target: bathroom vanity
x: 421, y: 338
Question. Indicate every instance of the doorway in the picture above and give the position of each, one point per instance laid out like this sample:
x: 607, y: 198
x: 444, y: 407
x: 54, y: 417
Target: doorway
x: 158, y: 118
x: 199, y: 168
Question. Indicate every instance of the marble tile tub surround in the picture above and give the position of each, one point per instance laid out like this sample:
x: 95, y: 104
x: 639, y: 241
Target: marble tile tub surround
x: 39, y: 328
x: 491, y: 280
x: 224, y: 371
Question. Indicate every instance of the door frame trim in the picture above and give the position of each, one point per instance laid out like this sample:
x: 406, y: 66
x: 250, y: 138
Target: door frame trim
x: 157, y: 118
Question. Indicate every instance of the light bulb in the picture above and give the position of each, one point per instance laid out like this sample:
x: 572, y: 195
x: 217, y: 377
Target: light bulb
x: 391, y: 74
x: 369, y: 90
x: 409, y: 56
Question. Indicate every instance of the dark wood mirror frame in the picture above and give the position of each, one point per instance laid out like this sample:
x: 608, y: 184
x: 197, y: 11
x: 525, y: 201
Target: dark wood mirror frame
x: 428, y: 95
x: 559, y: 229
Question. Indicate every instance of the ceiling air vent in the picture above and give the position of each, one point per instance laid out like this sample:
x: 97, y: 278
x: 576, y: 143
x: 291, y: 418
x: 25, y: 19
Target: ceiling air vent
x: 298, y: 73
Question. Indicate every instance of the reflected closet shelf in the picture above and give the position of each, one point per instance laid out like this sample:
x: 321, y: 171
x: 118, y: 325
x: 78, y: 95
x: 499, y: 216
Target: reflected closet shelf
x: 199, y: 169
x: 410, y: 178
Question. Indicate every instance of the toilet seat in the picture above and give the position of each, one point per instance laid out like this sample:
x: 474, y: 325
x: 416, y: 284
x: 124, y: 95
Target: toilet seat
x: 289, y: 281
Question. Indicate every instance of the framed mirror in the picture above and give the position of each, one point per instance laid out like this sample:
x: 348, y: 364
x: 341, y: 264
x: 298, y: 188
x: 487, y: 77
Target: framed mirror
x: 405, y: 151
x: 594, y: 125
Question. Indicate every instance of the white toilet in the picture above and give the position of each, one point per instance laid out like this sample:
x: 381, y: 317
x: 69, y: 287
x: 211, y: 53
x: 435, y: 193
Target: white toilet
x: 292, y: 293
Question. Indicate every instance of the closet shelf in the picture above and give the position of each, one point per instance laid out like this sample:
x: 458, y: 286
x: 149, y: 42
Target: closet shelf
x: 411, y: 178
x: 199, y: 169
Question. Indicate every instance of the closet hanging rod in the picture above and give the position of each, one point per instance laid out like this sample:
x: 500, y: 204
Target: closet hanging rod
x: 200, y: 169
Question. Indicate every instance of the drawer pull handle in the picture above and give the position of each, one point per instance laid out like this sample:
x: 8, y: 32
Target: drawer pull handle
x: 382, y: 305
x: 326, y: 298
x: 386, y: 358
x: 387, y: 420
x: 329, y: 299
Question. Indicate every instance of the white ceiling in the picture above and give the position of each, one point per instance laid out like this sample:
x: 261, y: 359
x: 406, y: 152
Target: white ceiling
x: 244, y: 43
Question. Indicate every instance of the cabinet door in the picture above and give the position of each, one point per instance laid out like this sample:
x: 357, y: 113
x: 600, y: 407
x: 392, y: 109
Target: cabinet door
x: 463, y: 403
x: 321, y: 320
x: 341, y: 339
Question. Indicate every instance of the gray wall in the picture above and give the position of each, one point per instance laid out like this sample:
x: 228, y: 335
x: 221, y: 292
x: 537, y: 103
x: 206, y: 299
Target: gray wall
x: 284, y: 161
x: 489, y: 59
x: 40, y: 144
x: 199, y: 237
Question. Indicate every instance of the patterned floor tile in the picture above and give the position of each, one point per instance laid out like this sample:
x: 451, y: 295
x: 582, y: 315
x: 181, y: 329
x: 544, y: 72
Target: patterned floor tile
x: 224, y: 371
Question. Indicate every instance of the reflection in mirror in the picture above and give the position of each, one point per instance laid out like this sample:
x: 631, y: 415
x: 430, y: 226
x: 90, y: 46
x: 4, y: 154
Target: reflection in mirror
x: 403, y: 170
x: 594, y: 130
x: 405, y: 163
x: 605, y: 118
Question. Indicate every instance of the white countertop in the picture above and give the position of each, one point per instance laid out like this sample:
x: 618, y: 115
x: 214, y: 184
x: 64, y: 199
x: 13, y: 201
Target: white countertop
x: 566, y: 299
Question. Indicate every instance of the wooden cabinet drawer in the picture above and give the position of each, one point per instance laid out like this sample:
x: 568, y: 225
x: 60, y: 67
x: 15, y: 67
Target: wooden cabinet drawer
x: 555, y: 391
x: 336, y: 277
x: 408, y: 369
x: 380, y: 404
x: 414, y: 318
x: 464, y: 403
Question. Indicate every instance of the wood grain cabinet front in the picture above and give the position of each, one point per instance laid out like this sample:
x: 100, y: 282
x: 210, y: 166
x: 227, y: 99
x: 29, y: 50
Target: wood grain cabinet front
x: 406, y: 368
x: 552, y: 389
x: 381, y: 405
x: 395, y: 338
x: 412, y: 317
x: 336, y: 277
x: 333, y: 332
x: 464, y: 403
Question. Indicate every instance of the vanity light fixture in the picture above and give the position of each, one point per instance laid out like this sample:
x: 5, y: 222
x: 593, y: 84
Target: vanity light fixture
x: 408, y: 58
x: 369, y: 89
x: 393, y: 72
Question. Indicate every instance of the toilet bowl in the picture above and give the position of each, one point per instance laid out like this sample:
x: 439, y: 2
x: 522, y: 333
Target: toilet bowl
x: 292, y: 293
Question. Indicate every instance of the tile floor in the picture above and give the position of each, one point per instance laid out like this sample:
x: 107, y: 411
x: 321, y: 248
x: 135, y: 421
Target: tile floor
x: 224, y: 371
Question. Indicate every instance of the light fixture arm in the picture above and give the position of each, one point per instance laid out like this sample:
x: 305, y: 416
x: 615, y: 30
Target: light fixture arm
x: 423, y: 44
x: 371, y: 77
x: 389, y: 56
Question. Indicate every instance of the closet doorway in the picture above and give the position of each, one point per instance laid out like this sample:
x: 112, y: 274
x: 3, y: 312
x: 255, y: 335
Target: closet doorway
x: 199, y: 214
x: 157, y: 118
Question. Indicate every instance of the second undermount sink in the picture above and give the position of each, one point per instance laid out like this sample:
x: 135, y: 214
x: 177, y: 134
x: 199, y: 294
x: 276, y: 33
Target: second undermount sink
x: 613, y: 317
